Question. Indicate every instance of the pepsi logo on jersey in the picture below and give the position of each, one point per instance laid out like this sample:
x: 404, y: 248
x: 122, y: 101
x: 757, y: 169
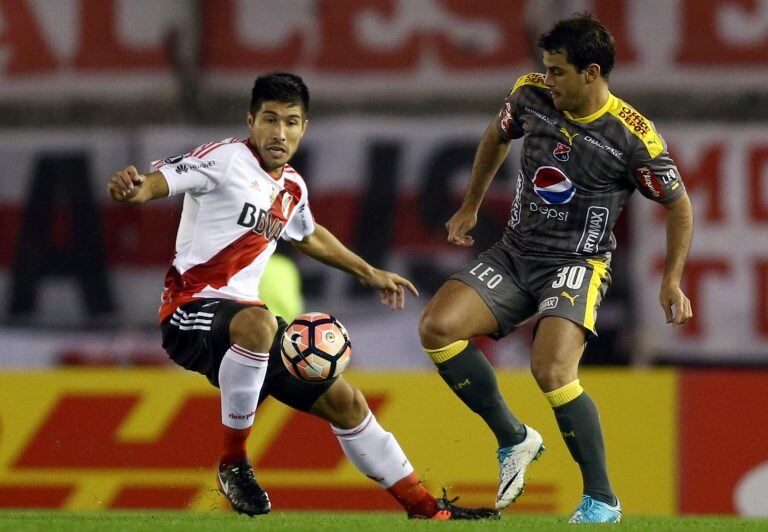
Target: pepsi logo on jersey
x: 553, y: 186
x: 260, y: 221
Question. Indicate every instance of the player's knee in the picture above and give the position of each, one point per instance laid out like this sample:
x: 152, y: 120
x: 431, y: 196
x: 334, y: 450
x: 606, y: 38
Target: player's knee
x: 343, y: 405
x: 253, y: 328
x: 435, y: 330
x: 551, y: 376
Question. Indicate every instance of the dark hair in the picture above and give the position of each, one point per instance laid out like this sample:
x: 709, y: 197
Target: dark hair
x: 583, y: 40
x: 280, y: 86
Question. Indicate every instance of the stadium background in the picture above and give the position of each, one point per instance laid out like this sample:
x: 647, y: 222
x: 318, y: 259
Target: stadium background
x: 402, y: 90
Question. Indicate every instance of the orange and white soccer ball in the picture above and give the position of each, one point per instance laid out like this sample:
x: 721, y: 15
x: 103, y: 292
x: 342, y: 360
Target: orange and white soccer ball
x: 315, y: 347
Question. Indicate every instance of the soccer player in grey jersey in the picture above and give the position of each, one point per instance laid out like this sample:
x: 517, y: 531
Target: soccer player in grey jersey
x: 584, y: 152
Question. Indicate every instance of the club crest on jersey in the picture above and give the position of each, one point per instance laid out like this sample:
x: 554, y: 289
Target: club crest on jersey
x: 553, y: 186
x: 562, y: 152
x: 287, y: 200
x: 273, y: 191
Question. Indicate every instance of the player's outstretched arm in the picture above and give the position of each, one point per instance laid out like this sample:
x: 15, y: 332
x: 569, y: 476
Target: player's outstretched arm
x: 129, y: 186
x: 679, y: 222
x: 323, y: 246
x: 491, y: 152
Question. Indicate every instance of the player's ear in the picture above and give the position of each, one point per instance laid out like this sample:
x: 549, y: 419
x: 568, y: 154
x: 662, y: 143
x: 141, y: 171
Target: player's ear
x: 249, y: 119
x: 592, y: 72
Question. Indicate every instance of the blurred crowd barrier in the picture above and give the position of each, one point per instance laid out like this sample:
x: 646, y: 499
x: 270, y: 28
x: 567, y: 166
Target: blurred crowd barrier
x: 358, y: 49
x: 82, y: 276
x: 117, y: 439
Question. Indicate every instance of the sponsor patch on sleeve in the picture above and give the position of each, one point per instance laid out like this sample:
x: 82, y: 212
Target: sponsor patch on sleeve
x: 649, y: 181
x: 505, y: 116
x: 173, y: 160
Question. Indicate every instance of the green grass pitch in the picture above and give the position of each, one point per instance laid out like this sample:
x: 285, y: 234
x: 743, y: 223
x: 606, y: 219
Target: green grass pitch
x: 326, y: 521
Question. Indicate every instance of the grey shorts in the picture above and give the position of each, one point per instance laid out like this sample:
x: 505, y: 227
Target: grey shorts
x: 517, y: 287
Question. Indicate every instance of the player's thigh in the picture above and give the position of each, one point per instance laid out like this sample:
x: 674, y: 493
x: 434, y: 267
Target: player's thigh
x: 197, y: 335
x: 456, y: 312
x: 484, y: 298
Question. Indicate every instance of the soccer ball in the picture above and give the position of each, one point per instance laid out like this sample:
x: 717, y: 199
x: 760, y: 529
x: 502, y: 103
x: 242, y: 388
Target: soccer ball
x: 315, y: 347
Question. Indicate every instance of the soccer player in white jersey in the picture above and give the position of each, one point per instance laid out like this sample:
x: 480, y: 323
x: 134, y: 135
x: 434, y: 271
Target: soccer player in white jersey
x: 240, y: 196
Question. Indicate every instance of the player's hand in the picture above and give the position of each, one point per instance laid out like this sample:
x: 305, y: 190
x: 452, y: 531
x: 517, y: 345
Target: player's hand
x: 677, y: 307
x: 125, y: 184
x: 391, y: 286
x: 459, y: 225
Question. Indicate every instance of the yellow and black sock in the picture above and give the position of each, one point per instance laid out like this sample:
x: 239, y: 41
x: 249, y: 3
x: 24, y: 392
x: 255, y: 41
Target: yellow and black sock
x: 466, y: 370
x: 579, y: 423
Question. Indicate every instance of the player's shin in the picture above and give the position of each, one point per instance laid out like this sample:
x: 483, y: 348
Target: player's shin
x: 241, y: 376
x: 579, y: 423
x: 466, y: 370
x: 376, y: 453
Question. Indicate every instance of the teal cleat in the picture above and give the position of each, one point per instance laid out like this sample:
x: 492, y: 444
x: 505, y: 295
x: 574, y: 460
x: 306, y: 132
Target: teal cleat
x: 593, y: 511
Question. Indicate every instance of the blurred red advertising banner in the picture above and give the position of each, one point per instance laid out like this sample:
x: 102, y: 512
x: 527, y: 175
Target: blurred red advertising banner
x: 724, y: 442
x: 725, y: 170
x: 353, y: 47
x: 424, y: 164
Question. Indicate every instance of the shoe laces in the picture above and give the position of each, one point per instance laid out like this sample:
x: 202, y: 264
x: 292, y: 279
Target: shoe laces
x: 244, y: 472
x: 446, y: 502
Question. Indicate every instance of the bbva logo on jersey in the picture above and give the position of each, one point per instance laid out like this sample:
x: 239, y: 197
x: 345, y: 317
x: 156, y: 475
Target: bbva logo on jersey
x: 260, y: 221
x: 553, y: 186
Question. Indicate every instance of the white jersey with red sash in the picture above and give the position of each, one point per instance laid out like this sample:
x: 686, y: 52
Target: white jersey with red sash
x: 233, y: 214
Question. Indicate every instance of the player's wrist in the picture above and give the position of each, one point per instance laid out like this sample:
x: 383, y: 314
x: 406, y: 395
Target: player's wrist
x: 365, y: 274
x: 670, y: 283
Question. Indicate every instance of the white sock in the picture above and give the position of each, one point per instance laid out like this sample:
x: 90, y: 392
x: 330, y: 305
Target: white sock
x: 374, y: 452
x: 241, y: 376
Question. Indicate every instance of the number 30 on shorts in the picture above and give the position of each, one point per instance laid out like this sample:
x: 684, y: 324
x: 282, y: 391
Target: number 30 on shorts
x: 570, y: 276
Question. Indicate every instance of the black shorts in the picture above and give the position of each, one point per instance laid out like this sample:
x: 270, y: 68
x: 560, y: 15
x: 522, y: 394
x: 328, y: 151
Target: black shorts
x: 196, y: 337
x: 517, y: 287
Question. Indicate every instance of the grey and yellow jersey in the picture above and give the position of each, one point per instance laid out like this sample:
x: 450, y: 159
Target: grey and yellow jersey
x: 576, y: 174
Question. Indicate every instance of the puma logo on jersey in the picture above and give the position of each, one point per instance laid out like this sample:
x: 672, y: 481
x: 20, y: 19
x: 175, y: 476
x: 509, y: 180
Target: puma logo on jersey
x: 569, y: 297
x: 260, y: 221
x: 568, y: 135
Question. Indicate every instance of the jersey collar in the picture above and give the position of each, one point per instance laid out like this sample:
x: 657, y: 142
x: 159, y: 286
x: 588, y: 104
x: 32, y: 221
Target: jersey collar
x: 594, y: 116
x: 255, y: 153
